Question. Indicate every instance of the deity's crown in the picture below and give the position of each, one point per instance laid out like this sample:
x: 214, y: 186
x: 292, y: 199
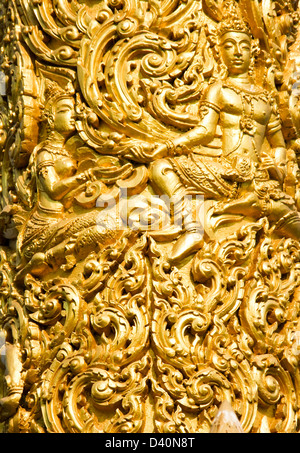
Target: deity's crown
x: 232, y: 20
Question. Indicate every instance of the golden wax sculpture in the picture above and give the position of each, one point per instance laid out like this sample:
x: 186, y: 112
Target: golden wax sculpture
x: 150, y: 215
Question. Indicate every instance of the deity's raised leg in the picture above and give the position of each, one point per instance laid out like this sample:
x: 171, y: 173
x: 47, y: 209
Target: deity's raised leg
x: 168, y: 182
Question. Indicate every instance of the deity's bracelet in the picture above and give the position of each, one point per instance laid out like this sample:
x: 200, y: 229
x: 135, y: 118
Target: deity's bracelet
x: 171, y: 148
x: 181, y: 149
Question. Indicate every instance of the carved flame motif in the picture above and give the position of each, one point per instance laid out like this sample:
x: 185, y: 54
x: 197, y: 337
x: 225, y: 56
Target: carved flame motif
x: 122, y: 122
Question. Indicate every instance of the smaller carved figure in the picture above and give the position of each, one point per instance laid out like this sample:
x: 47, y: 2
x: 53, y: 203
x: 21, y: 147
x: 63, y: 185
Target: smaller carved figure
x: 52, y: 235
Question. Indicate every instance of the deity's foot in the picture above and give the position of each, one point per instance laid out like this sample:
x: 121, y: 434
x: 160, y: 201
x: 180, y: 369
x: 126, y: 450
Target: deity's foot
x: 289, y: 225
x: 187, y: 244
x: 222, y: 207
x: 9, y: 405
x: 165, y: 234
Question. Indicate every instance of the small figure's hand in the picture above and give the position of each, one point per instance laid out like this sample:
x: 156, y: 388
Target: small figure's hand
x: 92, y: 174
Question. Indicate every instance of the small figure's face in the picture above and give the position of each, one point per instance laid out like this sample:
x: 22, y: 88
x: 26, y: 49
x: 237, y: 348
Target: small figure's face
x: 3, y: 136
x: 236, y: 52
x: 64, y: 116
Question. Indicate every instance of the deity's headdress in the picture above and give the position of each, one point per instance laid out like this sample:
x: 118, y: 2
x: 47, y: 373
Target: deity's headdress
x: 54, y: 84
x: 232, y: 19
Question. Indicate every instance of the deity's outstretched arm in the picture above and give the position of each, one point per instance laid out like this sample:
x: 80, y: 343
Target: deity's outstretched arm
x: 209, y: 113
x: 202, y: 134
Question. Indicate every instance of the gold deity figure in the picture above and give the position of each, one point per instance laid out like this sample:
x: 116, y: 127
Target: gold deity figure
x: 51, y: 234
x: 243, y: 178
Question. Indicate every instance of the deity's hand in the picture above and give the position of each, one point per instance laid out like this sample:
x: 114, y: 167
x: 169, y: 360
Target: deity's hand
x: 269, y: 164
x: 146, y: 152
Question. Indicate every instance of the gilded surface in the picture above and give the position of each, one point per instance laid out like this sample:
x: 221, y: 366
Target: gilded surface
x: 150, y: 225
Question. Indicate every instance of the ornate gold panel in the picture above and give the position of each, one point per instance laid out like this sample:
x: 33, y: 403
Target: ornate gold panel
x: 150, y: 226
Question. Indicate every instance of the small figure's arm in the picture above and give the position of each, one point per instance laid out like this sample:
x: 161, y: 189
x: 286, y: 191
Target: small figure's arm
x: 52, y: 184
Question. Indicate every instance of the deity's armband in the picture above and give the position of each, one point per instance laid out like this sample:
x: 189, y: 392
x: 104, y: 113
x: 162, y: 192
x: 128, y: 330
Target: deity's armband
x: 274, y: 126
x: 205, y: 106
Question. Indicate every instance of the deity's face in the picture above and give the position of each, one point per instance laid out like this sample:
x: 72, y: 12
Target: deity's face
x: 235, y: 50
x: 64, y: 116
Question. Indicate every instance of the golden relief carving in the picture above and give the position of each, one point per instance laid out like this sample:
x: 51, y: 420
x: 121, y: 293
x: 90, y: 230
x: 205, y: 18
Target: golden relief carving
x: 150, y: 226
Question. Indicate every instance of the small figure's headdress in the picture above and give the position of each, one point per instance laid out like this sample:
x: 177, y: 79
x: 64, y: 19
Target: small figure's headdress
x: 232, y: 20
x: 53, y: 93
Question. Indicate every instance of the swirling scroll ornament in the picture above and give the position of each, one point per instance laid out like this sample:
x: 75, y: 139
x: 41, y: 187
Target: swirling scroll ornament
x: 132, y: 90
x: 206, y: 354
x: 199, y: 363
x: 102, y: 368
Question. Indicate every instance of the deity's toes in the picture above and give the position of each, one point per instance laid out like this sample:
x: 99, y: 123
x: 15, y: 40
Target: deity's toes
x: 39, y: 264
x: 187, y: 244
x: 219, y: 208
x: 38, y: 259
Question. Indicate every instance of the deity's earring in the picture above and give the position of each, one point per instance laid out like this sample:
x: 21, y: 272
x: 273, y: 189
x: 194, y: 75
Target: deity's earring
x: 254, y: 54
x: 251, y: 66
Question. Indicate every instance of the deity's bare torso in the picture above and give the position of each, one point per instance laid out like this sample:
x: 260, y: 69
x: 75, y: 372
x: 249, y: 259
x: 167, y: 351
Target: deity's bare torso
x: 257, y: 109
x: 245, y: 111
